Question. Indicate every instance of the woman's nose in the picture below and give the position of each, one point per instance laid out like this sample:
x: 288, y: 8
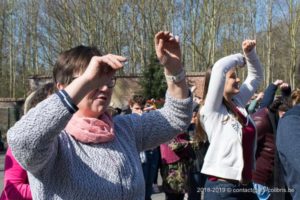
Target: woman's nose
x: 104, y: 88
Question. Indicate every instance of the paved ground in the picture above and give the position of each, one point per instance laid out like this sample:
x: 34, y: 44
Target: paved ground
x: 158, y: 196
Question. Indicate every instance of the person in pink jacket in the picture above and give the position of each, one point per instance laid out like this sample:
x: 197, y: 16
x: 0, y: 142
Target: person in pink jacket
x: 16, y: 185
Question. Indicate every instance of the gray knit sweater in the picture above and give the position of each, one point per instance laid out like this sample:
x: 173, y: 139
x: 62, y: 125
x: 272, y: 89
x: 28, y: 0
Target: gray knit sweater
x: 60, y: 167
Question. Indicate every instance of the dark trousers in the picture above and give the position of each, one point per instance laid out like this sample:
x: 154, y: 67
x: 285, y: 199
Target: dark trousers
x: 173, y: 196
x: 196, y: 182
x: 150, y: 170
x: 216, y: 190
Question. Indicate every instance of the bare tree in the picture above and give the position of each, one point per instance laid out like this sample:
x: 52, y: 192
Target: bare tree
x: 294, y: 12
x: 32, y: 33
x: 269, y: 64
x: 292, y: 19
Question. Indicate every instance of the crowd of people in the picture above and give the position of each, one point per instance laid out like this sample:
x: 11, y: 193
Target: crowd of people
x: 235, y: 142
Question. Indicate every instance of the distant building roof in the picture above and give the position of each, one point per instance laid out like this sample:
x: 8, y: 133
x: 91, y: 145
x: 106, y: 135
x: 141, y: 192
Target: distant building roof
x: 127, y: 85
x: 36, y: 80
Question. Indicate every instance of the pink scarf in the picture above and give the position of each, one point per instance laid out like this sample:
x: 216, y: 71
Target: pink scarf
x: 91, y: 130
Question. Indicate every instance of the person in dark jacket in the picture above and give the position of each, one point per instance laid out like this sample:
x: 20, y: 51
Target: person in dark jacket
x: 270, y: 91
x: 288, y: 138
x: 268, y: 170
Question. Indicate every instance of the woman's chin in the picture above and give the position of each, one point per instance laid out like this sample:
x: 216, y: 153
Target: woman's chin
x: 96, y: 111
x: 237, y: 91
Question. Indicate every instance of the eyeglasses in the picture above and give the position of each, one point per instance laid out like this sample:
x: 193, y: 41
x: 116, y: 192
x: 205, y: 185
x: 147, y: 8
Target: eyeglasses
x: 110, y: 84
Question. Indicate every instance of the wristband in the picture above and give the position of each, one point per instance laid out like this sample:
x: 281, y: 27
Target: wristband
x: 177, y: 78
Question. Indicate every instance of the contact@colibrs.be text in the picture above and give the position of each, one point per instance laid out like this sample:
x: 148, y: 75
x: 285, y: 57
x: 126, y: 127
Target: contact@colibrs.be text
x: 223, y: 189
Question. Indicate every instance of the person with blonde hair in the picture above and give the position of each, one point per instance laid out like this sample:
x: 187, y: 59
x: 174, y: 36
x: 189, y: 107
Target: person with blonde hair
x: 295, y: 96
x: 230, y: 157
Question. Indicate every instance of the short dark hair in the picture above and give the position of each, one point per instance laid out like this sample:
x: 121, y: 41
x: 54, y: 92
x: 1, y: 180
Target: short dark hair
x: 281, y: 104
x: 73, y: 61
x: 137, y: 99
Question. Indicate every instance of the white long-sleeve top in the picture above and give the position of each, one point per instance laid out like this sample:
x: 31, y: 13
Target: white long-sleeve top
x: 224, y: 157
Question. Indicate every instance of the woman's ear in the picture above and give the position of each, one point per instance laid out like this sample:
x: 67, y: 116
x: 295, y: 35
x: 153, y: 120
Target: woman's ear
x: 60, y: 86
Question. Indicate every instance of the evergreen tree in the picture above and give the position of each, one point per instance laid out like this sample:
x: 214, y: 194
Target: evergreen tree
x: 153, y: 81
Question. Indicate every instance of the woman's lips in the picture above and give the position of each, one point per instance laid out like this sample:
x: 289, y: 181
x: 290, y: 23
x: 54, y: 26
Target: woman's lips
x: 236, y: 86
x: 104, y: 98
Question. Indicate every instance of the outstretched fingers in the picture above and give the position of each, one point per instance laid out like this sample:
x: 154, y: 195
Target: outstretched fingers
x: 101, y: 65
x: 110, y: 62
x: 158, y: 37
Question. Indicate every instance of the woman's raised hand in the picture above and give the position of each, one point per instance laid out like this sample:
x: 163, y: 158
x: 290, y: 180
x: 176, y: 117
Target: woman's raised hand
x: 168, y: 52
x: 248, y: 45
x: 101, y: 69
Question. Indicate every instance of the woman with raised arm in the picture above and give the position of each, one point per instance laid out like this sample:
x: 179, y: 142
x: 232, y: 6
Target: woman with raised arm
x: 231, y: 133
x: 73, y: 149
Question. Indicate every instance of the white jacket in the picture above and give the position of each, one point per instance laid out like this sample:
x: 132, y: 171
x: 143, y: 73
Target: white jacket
x: 224, y: 157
